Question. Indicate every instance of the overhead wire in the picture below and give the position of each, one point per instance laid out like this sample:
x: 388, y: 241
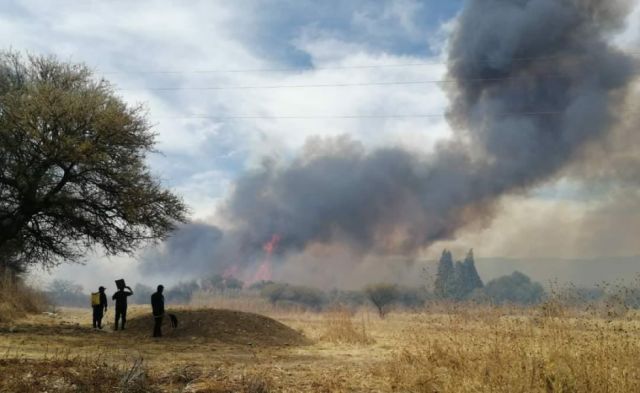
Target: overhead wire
x: 338, y: 85
x: 339, y: 117
x: 324, y: 85
x: 338, y: 67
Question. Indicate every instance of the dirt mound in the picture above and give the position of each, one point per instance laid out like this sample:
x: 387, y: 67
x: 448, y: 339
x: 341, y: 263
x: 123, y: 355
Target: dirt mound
x: 226, y: 326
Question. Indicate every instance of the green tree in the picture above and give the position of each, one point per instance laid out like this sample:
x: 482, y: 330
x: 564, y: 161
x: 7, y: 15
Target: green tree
x: 515, y: 288
x: 382, y: 296
x: 467, y: 278
x: 445, y: 283
x: 72, y: 167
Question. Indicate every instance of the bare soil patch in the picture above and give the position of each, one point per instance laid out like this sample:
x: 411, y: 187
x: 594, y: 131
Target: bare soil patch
x: 224, y: 326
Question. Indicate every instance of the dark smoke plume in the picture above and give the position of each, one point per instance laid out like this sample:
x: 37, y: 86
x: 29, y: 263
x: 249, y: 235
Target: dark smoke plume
x: 534, y: 81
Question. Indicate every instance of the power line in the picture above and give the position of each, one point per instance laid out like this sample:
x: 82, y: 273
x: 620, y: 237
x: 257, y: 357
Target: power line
x: 346, y: 67
x: 327, y: 117
x: 282, y: 69
x: 323, y: 85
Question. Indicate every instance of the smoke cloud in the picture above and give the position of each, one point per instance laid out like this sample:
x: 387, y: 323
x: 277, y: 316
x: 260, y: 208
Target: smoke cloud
x: 532, y: 84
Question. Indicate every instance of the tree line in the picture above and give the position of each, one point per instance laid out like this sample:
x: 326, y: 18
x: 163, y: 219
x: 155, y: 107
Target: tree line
x: 454, y: 281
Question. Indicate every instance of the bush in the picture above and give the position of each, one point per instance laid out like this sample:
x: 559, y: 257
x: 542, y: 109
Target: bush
x: 259, y: 285
x: 348, y: 299
x: 222, y: 284
x: 182, y: 292
x: 382, y: 296
x: 412, y: 297
x: 516, y: 288
x: 280, y: 292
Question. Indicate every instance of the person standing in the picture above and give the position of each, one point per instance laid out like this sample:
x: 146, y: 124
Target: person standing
x: 157, y: 307
x: 99, y: 309
x: 120, y: 298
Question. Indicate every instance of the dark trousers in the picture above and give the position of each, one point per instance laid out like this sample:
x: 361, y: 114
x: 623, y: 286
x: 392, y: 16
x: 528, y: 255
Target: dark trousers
x: 121, y: 313
x: 98, y: 313
x: 157, y: 325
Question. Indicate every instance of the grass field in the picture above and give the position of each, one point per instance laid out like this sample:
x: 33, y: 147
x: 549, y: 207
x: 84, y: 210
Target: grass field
x: 442, y: 349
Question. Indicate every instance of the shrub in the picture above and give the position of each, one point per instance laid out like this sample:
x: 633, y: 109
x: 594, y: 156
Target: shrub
x: 182, y: 292
x: 516, y: 288
x: 382, y: 296
x: 306, y: 296
x: 220, y: 283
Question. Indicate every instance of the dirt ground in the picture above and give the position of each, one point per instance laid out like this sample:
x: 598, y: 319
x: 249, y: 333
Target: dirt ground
x: 286, y: 361
x: 466, y: 350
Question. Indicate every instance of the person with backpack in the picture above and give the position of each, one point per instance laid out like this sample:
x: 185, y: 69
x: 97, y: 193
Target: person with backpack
x: 99, y: 305
x: 120, y: 298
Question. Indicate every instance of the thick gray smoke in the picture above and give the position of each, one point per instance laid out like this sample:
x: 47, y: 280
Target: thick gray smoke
x: 534, y: 81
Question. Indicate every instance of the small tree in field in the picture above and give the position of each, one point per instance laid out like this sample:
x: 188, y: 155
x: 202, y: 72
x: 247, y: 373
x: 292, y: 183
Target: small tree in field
x: 73, y: 170
x: 382, y: 296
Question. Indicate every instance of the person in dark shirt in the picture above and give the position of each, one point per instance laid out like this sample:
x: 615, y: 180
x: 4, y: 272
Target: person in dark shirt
x: 100, y: 309
x: 120, y: 298
x: 157, y: 306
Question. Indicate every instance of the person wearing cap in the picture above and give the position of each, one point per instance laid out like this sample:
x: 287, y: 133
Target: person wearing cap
x: 99, y: 309
x: 157, y: 307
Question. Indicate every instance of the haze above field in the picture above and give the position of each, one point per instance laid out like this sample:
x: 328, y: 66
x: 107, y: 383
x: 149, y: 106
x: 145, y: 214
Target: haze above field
x: 210, y: 137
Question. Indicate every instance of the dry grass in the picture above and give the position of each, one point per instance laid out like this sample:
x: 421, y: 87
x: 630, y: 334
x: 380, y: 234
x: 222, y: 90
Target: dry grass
x: 516, y: 354
x: 73, y: 375
x: 339, y: 327
x: 442, y: 349
x: 84, y: 374
x: 17, y: 300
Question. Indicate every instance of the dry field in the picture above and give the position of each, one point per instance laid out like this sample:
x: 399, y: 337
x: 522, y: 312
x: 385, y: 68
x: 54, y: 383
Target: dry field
x: 442, y: 349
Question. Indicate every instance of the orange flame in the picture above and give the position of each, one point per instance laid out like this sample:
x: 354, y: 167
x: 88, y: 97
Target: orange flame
x: 270, y: 246
x: 264, y: 271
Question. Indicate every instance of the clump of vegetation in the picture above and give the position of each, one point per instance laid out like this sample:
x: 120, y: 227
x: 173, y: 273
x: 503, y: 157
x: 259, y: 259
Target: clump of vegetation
x: 340, y: 328
x: 221, y: 284
x: 382, y: 296
x: 282, y: 293
x: 516, y: 288
x: 18, y: 299
x: 346, y: 299
x: 181, y: 292
x: 456, y: 281
x: 73, y: 375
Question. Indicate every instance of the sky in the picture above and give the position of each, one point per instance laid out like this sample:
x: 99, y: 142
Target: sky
x: 230, y: 84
